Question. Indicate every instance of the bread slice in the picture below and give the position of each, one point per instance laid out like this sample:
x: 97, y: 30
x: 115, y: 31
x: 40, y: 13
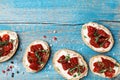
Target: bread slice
x: 58, y: 66
x: 14, y: 38
x: 25, y: 60
x: 86, y: 39
x: 98, y: 58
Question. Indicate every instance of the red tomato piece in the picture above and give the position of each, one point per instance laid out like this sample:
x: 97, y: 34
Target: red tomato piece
x: 36, y: 47
x: 62, y: 59
x: 82, y: 69
x: 74, y: 61
x: 5, y: 37
x: 5, y: 53
x: 32, y: 58
x: 0, y: 38
x: 65, y: 66
x: 10, y: 45
x: 6, y: 48
x: 103, y: 33
x: 33, y: 48
x: 39, y: 46
x: 98, y: 37
x: 34, y: 66
x: 91, y: 31
x: 96, y: 69
x: 44, y: 58
x: 109, y: 73
x: 106, y: 44
x: 108, y: 63
x: 93, y: 43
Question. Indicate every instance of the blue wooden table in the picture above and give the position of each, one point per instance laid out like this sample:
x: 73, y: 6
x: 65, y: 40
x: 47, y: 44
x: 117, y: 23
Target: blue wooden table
x: 61, y: 19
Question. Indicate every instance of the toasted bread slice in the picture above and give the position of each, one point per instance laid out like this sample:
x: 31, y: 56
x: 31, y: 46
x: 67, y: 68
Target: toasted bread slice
x: 98, y: 58
x: 58, y: 67
x: 86, y: 38
x: 13, y: 38
x: 26, y: 63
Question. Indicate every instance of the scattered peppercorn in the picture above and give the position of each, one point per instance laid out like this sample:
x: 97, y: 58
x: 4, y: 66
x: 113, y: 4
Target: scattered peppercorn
x: 12, y: 75
x: 17, y: 72
x: 8, y: 69
x: 12, y: 62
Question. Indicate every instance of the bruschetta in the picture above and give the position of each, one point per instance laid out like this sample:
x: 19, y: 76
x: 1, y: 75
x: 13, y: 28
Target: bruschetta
x: 70, y: 64
x: 97, y: 37
x: 36, y: 56
x: 8, y: 44
x: 104, y: 66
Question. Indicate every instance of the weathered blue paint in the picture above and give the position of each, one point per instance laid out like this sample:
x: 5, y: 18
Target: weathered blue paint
x: 64, y: 13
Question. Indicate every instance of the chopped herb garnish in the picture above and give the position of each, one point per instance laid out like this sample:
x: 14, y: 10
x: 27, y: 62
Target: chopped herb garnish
x: 85, y: 37
x: 117, y: 65
x: 96, y: 33
x: 102, y: 71
x: 97, y: 38
x: 3, y: 43
x: 101, y: 64
x: 74, y: 76
x: 72, y: 69
x: 101, y: 45
x: 12, y: 41
x: 110, y: 69
x: 67, y: 57
x: 58, y: 69
x: 43, y: 51
x: 78, y: 73
x: 39, y: 57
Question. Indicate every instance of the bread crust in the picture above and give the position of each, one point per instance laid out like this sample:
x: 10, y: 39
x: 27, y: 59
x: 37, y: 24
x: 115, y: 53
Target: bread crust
x: 15, y: 45
x: 77, y: 55
x: 106, y: 57
x: 103, y: 50
x: 26, y: 53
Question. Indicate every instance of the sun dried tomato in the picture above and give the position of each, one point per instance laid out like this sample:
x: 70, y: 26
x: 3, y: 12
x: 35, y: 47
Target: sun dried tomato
x: 62, y: 59
x: 34, y: 66
x: 5, y: 37
x: 98, y: 37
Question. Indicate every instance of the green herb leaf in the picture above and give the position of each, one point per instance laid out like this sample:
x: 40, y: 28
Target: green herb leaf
x: 97, y: 38
x: 38, y: 56
x: 74, y: 76
x: 3, y: 43
x: 11, y: 40
x: 85, y: 36
x: 110, y: 69
x: 43, y: 51
x: 58, y: 69
x: 102, y: 71
x: 96, y: 33
x: 72, y: 69
x: 78, y: 73
x: 67, y: 57
x: 117, y: 65
x: 101, y: 45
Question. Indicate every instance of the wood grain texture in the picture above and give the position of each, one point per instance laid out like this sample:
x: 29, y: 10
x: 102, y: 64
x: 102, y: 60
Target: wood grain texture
x: 56, y: 18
